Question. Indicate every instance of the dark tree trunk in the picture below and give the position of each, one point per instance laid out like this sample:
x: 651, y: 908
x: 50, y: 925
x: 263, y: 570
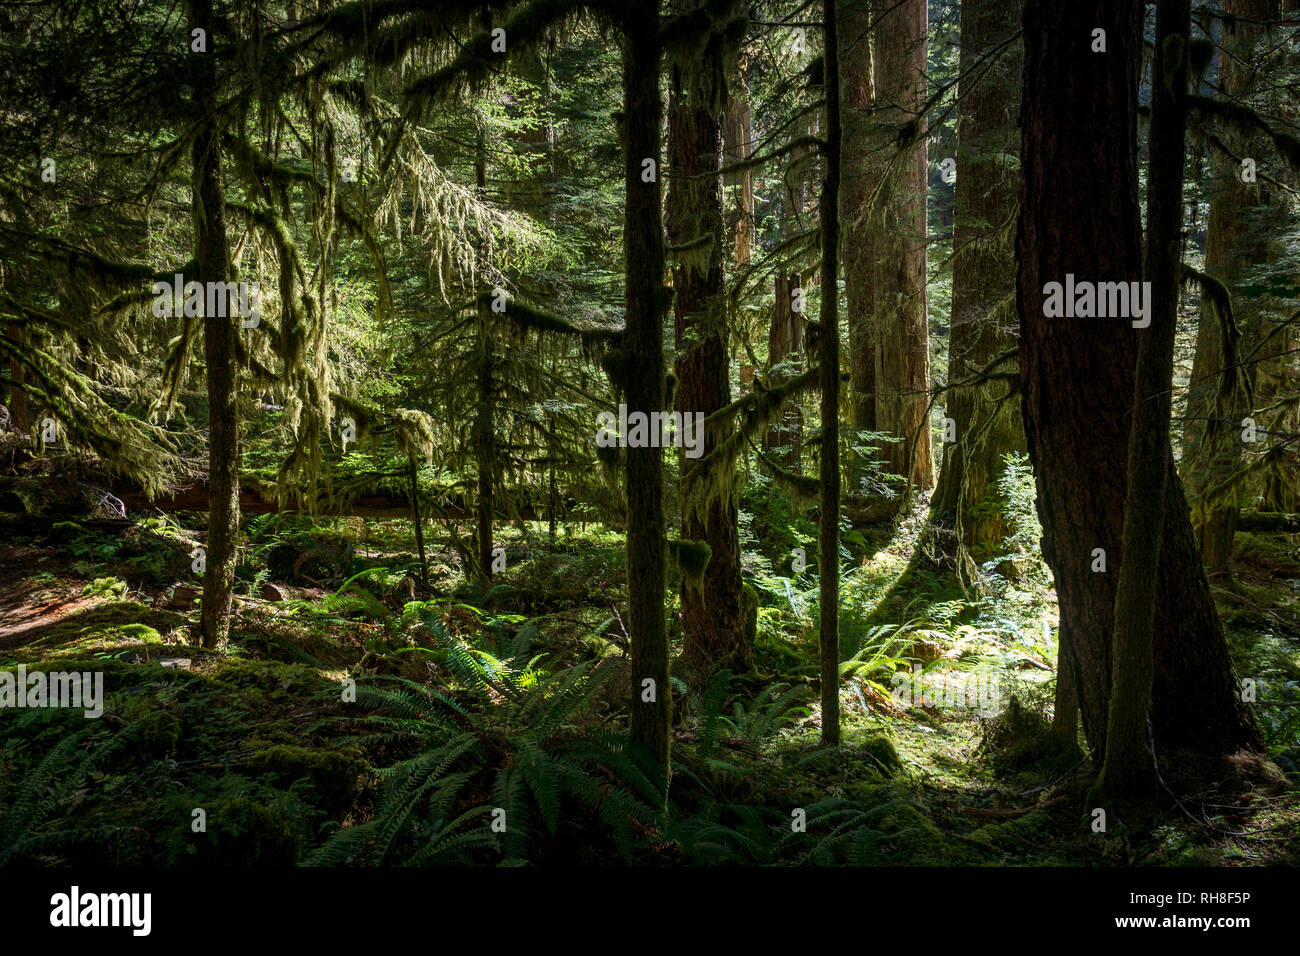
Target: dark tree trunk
x: 784, y: 344
x: 484, y: 434
x: 212, y: 256
x: 828, y: 542
x: 902, y: 343
x: 738, y: 145
x: 1079, y: 214
x: 1129, y: 768
x: 643, y: 252
x: 418, y: 521
x: 20, y: 419
x: 711, y: 613
x: 862, y: 223
x: 986, y: 422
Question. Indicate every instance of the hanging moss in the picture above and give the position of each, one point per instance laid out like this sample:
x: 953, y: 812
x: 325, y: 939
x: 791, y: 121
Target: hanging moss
x: 414, y: 433
x: 138, y: 451
x: 709, y: 478
x: 803, y: 488
x: 690, y: 558
x: 615, y: 362
x: 695, y: 253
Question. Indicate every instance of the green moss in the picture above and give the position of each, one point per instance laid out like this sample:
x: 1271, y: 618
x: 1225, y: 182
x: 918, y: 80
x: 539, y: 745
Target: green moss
x: 882, y: 752
x: 690, y: 558
x: 1269, y: 551
x: 65, y: 531
x: 152, y: 729
x: 331, y: 775
x: 1019, y: 737
x: 105, y: 629
x: 241, y: 831
x: 615, y: 362
x: 1010, y: 834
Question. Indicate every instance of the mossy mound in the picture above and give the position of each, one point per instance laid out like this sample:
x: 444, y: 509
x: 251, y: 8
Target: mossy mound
x: 1017, y: 738
x: 107, y: 629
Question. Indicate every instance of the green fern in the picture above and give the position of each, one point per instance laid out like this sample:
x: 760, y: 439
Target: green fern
x: 528, y: 744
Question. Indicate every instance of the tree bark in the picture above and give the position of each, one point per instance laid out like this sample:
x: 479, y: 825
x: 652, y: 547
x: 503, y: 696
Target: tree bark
x: 1129, y: 768
x: 785, y: 343
x: 861, y: 220
x: 212, y: 256
x: 418, y: 521
x: 484, y: 432
x: 738, y: 145
x: 643, y: 251
x: 986, y: 422
x: 902, y: 347
x: 828, y: 553
x: 1279, y: 366
x: 711, y: 613
x: 19, y: 419
x: 1079, y: 214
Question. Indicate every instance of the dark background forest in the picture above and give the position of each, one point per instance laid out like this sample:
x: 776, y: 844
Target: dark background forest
x: 654, y: 432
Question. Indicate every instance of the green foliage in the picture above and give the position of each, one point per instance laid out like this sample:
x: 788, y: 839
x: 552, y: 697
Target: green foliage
x: 527, y: 749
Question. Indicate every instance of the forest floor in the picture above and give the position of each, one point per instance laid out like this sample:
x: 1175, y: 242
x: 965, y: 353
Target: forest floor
x: 946, y: 756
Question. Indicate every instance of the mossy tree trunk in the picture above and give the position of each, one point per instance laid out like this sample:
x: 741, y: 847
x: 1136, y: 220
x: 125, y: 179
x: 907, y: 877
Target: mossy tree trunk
x: 417, y: 519
x: 1079, y: 214
x: 902, y: 354
x: 646, y: 300
x: 484, y: 430
x: 828, y: 543
x: 212, y: 256
x: 19, y: 418
x: 863, y: 167
x: 738, y: 145
x: 985, y: 420
x: 785, y: 344
x: 1129, y: 769
x: 714, y: 635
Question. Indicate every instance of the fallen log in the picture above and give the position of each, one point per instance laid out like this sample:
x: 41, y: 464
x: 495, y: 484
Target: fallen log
x: 253, y: 503
x: 1268, y: 521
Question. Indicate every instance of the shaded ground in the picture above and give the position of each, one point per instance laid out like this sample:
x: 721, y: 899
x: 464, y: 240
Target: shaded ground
x: 263, y: 742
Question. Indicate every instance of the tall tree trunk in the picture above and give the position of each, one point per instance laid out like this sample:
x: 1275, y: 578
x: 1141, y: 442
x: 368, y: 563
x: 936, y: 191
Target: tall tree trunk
x: 20, y: 419
x: 828, y: 541
x: 1079, y: 215
x: 861, y: 222
x: 417, y: 520
x: 738, y: 145
x: 711, y: 613
x: 212, y: 256
x: 785, y: 344
x: 643, y: 253
x: 1219, y: 392
x: 902, y: 344
x: 786, y: 333
x: 1278, y: 367
x: 484, y: 434
x: 1128, y: 770
x: 987, y: 424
